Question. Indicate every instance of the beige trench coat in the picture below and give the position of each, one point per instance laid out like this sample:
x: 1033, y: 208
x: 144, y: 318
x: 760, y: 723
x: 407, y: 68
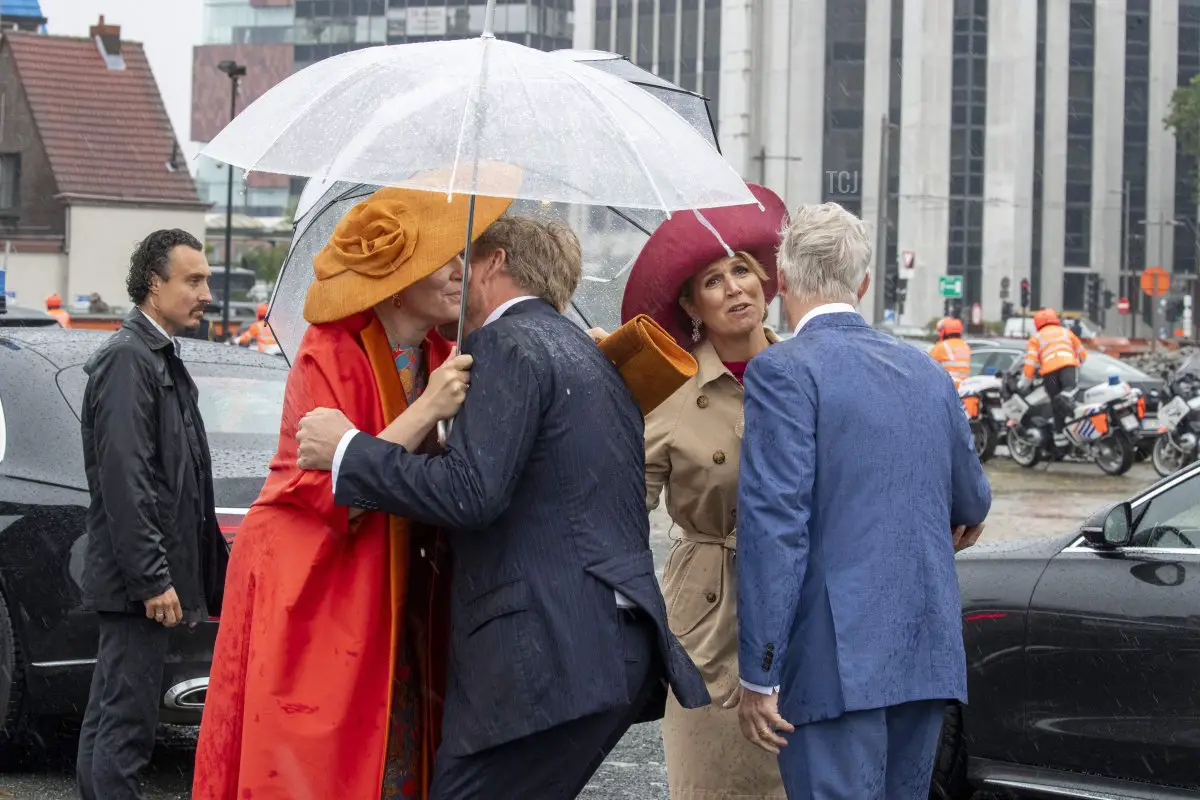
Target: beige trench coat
x: 692, y: 449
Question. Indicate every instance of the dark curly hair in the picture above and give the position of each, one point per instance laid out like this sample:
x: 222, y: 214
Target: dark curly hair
x: 152, y: 257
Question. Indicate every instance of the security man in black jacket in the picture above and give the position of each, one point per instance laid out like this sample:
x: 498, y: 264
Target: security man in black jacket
x: 155, y: 557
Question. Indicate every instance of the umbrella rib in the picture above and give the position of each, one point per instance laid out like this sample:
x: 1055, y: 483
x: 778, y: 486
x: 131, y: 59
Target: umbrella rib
x: 462, y: 126
x: 627, y: 138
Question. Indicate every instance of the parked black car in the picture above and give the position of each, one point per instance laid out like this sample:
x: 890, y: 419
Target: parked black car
x: 18, y: 317
x: 47, y: 641
x: 1083, y: 657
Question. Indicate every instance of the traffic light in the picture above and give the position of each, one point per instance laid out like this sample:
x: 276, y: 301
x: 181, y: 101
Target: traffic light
x: 1108, y: 298
x: 901, y: 295
x: 1025, y: 298
x: 1174, y: 310
x: 1093, y: 296
x: 889, y: 290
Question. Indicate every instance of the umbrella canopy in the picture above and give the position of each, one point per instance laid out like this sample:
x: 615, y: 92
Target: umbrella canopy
x: 427, y: 115
x: 610, y: 237
x: 690, y: 105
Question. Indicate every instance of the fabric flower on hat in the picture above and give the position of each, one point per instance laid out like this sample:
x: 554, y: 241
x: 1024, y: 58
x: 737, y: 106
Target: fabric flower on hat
x: 373, y: 239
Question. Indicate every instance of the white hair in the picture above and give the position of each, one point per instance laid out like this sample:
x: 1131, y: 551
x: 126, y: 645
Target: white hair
x: 824, y: 253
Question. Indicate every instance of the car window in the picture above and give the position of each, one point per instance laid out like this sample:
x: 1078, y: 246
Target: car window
x: 3, y: 432
x: 234, y: 400
x: 1097, y: 366
x: 1171, y: 519
x: 980, y: 361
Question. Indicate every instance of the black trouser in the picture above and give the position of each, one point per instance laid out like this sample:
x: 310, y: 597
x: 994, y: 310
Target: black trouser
x: 122, y: 713
x: 1057, y: 382
x: 556, y: 764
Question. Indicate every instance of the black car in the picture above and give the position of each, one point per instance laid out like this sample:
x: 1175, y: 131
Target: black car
x: 1083, y: 657
x: 47, y: 640
x: 18, y: 317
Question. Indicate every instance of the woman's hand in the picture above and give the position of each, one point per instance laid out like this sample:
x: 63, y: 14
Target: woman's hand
x: 447, y: 387
x: 598, y: 334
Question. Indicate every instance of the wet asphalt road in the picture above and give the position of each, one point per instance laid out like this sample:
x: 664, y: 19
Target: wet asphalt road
x: 1045, y: 501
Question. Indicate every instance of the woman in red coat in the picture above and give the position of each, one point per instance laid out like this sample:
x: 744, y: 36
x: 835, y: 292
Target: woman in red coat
x: 327, y: 668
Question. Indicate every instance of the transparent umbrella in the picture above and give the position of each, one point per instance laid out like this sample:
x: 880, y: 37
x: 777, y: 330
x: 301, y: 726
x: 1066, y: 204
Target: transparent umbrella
x: 610, y: 237
x: 426, y: 115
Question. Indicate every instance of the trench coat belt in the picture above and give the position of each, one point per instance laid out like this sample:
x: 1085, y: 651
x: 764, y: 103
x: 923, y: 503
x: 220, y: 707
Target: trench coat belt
x: 728, y: 541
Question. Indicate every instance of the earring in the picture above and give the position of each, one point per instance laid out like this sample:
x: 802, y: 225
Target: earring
x: 398, y: 300
x: 695, y: 330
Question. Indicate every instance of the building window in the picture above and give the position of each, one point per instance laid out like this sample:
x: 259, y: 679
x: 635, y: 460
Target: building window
x: 845, y: 48
x: 1185, y: 166
x: 10, y: 181
x: 1077, y: 248
x: 1137, y: 138
x: 967, y: 138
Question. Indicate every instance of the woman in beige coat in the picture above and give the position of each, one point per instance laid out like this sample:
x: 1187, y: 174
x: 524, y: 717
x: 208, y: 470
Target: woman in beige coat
x: 710, y: 292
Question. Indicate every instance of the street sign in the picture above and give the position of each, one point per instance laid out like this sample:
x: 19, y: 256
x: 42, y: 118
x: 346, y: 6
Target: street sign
x: 1156, y: 281
x: 907, y: 265
x: 976, y: 314
x: 951, y: 286
x: 1123, y: 305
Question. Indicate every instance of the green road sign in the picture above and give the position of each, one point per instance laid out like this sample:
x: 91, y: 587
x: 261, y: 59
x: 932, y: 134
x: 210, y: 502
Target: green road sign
x: 951, y: 286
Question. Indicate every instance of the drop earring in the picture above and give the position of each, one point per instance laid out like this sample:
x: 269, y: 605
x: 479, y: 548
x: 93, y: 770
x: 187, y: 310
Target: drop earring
x: 695, y: 330
x: 397, y: 300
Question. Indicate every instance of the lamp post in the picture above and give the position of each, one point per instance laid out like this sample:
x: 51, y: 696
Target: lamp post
x: 235, y: 71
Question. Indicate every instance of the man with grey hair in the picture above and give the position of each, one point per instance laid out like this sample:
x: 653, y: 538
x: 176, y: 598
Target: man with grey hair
x: 858, y: 480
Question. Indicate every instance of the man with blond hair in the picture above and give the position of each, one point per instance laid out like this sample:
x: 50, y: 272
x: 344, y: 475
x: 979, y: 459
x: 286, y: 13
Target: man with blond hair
x: 559, y: 640
x: 857, y: 464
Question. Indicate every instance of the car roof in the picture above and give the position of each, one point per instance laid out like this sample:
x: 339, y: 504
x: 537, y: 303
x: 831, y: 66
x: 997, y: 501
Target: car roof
x: 19, y: 316
x: 64, y: 348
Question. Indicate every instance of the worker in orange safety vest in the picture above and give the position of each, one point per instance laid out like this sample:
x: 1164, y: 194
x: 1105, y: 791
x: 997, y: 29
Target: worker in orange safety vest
x: 258, y: 335
x: 1055, y: 353
x: 54, y: 308
x: 951, y: 351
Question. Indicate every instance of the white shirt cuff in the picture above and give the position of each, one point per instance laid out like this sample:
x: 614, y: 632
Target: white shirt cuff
x: 754, y: 687
x: 337, y: 455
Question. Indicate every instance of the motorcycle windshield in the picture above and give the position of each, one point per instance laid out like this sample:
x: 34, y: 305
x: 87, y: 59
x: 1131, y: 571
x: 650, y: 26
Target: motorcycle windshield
x: 1190, y: 366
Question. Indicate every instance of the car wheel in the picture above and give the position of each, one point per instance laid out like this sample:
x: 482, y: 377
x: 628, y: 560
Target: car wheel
x: 14, y: 715
x: 950, y: 768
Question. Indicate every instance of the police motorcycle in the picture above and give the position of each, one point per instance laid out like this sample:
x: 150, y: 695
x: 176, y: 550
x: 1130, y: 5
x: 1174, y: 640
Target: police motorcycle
x: 1102, y: 423
x: 1178, y: 418
x: 982, y: 401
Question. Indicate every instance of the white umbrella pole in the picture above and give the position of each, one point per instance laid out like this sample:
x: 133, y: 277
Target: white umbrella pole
x: 446, y: 426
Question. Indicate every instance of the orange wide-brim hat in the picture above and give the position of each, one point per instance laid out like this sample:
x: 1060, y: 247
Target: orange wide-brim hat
x: 387, y: 243
x: 683, y: 245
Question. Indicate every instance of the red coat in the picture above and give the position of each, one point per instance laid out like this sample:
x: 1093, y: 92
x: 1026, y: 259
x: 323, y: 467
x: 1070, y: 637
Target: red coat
x: 299, y: 692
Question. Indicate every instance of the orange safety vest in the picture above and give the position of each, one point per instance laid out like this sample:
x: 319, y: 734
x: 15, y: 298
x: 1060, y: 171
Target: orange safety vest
x: 955, y: 355
x: 1051, y: 349
x: 60, y: 314
x: 260, y: 334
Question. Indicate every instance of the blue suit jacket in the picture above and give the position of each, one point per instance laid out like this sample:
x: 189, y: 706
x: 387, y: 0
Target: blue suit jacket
x: 543, y: 487
x: 856, y: 461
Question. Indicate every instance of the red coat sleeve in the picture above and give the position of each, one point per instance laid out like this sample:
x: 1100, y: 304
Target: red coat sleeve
x: 330, y: 371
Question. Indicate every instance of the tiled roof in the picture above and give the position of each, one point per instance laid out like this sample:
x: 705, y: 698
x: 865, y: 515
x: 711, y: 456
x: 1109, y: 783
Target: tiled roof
x: 106, y: 131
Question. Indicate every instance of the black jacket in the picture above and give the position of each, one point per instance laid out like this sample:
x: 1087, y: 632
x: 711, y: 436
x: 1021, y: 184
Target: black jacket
x: 151, y: 522
x: 543, y: 484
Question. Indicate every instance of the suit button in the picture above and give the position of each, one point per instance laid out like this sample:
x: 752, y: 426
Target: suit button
x: 711, y: 597
x: 702, y: 402
x: 719, y: 457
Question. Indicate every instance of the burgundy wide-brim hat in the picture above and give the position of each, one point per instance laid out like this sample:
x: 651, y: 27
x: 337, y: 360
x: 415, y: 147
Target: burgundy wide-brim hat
x: 683, y: 245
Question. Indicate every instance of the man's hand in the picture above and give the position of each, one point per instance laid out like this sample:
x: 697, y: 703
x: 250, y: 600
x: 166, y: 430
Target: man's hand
x: 598, y: 334
x: 759, y: 717
x: 165, y: 609
x: 965, y: 536
x: 318, y: 437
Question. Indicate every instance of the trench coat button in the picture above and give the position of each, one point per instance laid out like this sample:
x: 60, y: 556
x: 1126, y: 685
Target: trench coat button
x: 711, y: 597
x: 719, y: 457
x: 702, y: 401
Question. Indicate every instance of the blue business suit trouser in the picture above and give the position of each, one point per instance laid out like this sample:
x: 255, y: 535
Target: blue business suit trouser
x: 880, y: 754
